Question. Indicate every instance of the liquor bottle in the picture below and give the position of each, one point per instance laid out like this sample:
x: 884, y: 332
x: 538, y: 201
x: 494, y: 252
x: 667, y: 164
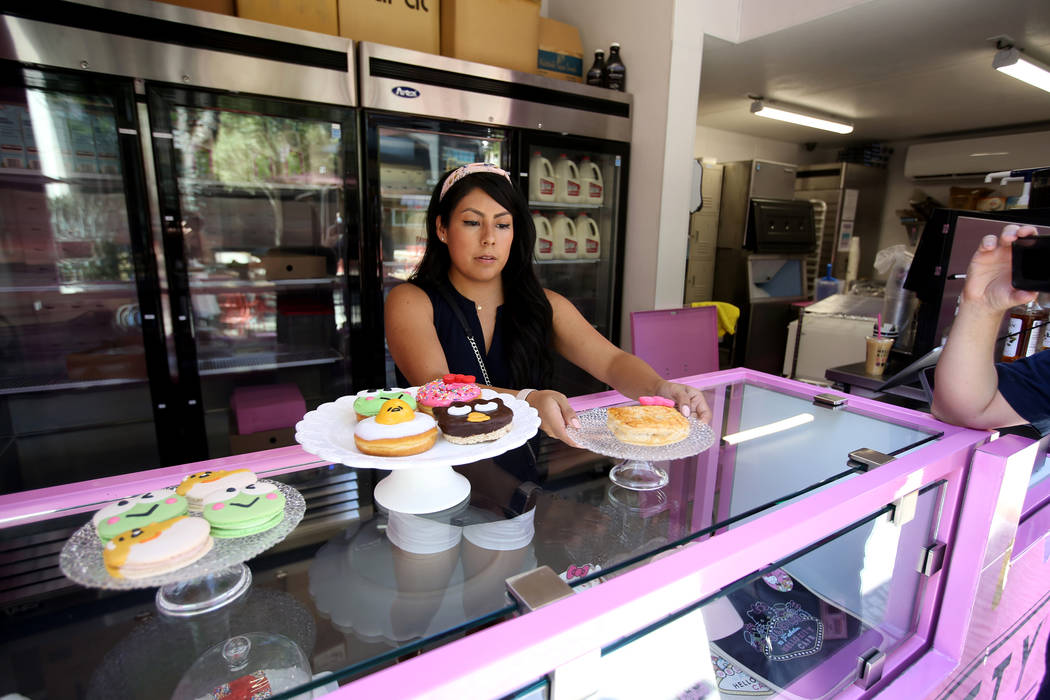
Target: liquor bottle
x: 614, y: 74
x: 594, y: 75
x: 1023, y: 331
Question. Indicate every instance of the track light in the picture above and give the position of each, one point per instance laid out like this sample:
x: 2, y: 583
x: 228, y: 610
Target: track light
x: 759, y: 108
x: 1016, y: 65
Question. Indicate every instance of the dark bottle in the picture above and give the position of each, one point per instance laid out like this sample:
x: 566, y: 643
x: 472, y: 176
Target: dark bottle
x: 594, y: 75
x: 614, y: 75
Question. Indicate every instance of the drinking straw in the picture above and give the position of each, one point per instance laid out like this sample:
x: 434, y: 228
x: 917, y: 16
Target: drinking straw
x: 878, y: 326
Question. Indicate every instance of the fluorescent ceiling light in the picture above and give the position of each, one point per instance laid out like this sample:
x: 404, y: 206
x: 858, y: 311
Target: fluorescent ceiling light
x: 795, y: 117
x: 1016, y: 65
x: 768, y: 429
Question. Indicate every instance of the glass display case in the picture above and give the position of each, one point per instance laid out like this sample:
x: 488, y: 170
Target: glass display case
x: 803, y: 557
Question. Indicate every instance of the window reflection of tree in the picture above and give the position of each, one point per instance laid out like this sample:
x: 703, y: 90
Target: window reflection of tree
x: 255, y: 155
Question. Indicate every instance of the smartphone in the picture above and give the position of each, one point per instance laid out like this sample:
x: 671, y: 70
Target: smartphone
x: 1031, y: 263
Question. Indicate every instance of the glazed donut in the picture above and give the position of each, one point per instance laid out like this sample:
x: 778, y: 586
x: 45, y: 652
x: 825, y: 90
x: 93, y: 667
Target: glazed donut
x: 442, y: 392
x: 396, y: 431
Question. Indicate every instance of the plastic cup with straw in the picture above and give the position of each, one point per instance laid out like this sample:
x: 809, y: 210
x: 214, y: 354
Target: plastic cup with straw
x: 878, y: 350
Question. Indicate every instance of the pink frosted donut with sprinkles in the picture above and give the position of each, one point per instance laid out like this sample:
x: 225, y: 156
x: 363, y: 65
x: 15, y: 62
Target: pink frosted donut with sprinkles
x: 442, y: 392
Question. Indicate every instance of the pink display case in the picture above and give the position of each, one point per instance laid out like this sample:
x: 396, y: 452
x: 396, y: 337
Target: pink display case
x: 791, y: 564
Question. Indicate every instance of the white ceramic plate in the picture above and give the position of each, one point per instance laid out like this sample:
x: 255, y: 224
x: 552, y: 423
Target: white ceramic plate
x: 328, y: 432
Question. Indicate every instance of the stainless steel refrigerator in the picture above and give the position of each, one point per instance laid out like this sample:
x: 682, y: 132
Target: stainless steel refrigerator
x: 423, y: 115
x: 179, y: 223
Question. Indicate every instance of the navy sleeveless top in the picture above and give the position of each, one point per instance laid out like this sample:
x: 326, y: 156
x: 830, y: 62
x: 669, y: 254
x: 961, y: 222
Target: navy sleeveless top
x: 458, y: 353
x: 519, y: 462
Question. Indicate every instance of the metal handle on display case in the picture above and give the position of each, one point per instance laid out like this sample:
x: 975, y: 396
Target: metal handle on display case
x: 931, y: 558
x: 869, y: 668
x: 904, y: 508
x: 828, y: 400
x: 577, y: 678
x: 868, y: 458
x: 536, y: 588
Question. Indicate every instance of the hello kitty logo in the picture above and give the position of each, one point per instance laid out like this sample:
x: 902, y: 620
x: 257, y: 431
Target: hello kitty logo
x: 783, y: 631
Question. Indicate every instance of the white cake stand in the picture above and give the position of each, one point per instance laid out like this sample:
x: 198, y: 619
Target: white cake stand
x: 637, y: 471
x: 423, y: 483
x: 216, y: 579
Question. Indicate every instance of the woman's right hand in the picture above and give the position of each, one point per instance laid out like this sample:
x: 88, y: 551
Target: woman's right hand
x: 555, y: 413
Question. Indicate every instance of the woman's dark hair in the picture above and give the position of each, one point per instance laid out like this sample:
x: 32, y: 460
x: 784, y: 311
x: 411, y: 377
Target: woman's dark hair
x: 527, y: 314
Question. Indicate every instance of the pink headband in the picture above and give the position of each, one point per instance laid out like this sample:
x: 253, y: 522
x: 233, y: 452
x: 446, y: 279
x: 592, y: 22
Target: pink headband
x: 464, y: 170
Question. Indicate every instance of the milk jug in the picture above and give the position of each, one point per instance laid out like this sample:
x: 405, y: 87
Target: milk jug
x: 593, y: 189
x: 567, y: 181
x: 588, y: 237
x: 541, y: 179
x: 544, y: 237
x: 566, y: 245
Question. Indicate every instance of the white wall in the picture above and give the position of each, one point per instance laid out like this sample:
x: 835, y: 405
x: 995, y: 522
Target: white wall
x: 662, y: 42
x: 726, y: 147
x: 900, y: 190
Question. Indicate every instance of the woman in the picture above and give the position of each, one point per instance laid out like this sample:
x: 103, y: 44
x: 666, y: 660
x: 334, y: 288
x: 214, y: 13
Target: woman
x: 478, y: 263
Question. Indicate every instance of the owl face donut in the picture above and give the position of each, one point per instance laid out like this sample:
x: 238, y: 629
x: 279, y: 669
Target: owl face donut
x: 442, y: 392
x: 396, y: 431
x: 367, y: 404
x: 469, y: 422
x: 139, y: 511
x: 246, y: 510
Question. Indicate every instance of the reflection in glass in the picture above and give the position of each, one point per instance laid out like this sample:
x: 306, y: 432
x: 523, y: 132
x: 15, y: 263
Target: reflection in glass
x: 794, y: 629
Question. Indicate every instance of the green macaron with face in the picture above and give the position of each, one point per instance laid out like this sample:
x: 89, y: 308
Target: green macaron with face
x: 138, y: 511
x: 245, y: 510
x: 368, y: 403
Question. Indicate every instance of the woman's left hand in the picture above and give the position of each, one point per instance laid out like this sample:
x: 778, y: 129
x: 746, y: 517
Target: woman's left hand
x: 690, y: 400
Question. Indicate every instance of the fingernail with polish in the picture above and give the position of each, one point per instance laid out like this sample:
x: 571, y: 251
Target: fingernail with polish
x: 685, y: 410
x: 575, y: 423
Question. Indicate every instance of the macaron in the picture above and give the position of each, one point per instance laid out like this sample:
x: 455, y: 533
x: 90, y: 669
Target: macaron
x: 245, y: 510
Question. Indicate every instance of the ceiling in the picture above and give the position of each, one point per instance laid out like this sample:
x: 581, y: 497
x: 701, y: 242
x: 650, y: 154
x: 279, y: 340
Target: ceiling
x: 898, y: 69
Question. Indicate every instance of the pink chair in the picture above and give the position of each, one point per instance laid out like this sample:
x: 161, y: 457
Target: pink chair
x: 677, y: 342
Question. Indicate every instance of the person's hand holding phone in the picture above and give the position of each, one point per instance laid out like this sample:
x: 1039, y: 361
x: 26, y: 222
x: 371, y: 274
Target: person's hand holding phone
x: 1031, y: 263
x: 989, y: 278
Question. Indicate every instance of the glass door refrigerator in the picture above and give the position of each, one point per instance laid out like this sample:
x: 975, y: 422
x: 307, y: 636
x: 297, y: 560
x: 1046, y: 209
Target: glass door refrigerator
x: 579, y: 221
x: 82, y: 346
x: 424, y: 115
x: 255, y: 194
x: 405, y: 159
x: 179, y: 247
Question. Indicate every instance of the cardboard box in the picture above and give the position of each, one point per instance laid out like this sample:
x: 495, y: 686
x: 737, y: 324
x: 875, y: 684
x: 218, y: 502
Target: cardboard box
x: 224, y: 7
x: 293, y: 266
x: 560, y: 52
x: 410, y: 24
x: 497, y: 32
x: 126, y: 362
x: 313, y: 15
x: 257, y: 442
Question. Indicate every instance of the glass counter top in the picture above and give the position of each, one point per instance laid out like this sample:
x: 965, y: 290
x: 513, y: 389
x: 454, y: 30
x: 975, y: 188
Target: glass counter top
x: 358, y: 588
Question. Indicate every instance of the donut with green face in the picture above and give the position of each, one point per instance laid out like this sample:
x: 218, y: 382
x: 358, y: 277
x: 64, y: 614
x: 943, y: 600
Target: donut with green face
x: 368, y: 403
x: 244, y: 510
x: 138, y: 511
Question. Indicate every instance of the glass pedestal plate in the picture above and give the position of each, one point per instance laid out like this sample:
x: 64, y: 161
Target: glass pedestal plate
x: 214, y: 580
x: 637, y: 472
x: 422, y: 483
